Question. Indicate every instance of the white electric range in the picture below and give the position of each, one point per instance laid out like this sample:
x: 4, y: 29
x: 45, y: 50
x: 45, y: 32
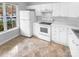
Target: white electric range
x: 45, y: 31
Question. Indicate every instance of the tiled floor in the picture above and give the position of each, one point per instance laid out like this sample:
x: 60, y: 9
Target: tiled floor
x: 33, y: 47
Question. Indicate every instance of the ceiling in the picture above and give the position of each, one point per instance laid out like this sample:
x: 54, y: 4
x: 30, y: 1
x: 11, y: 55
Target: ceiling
x: 31, y: 3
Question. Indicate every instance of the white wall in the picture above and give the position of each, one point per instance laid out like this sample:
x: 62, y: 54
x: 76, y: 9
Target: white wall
x: 22, y: 7
x: 8, y: 35
x: 59, y: 9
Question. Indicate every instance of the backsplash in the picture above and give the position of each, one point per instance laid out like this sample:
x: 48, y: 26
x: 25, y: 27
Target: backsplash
x: 61, y: 19
x: 40, y: 18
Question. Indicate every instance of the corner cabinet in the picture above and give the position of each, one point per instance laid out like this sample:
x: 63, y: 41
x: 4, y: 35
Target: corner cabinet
x: 60, y: 34
x: 74, y: 42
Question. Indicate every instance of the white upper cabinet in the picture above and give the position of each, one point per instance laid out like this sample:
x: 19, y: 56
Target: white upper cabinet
x: 73, y: 10
x: 40, y: 8
x: 59, y: 9
x: 66, y: 9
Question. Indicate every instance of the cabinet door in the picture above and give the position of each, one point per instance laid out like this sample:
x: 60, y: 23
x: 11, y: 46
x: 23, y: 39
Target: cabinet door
x: 55, y: 33
x: 63, y: 36
x: 35, y: 29
x: 59, y: 34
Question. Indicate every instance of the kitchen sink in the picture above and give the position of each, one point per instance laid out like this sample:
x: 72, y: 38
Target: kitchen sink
x: 76, y: 32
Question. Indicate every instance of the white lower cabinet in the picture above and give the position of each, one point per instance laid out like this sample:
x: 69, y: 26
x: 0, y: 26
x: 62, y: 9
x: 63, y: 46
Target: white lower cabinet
x: 63, y: 35
x: 36, y: 29
x: 73, y: 44
x: 55, y: 34
x: 60, y: 34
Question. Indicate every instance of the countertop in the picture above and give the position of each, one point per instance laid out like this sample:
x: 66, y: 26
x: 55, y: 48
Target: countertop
x: 72, y: 22
x: 69, y: 24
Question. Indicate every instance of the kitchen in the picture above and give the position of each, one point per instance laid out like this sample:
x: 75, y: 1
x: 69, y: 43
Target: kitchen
x: 50, y: 22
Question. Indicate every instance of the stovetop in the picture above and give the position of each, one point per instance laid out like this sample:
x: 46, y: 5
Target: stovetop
x: 47, y: 23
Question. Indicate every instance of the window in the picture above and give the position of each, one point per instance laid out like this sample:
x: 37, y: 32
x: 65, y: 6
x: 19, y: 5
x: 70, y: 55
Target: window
x: 1, y: 24
x: 1, y: 17
x: 9, y: 23
x: 13, y: 22
x: 7, y: 16
x: 11, y: 16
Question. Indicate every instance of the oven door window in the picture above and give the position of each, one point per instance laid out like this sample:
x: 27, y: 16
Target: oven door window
x: 43, y: 30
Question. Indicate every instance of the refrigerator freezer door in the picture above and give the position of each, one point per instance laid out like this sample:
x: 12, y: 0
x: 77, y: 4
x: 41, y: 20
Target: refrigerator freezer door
x: 25, y: 15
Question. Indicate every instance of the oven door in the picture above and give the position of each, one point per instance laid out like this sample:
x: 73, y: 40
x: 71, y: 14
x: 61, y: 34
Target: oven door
x: 45, y: 30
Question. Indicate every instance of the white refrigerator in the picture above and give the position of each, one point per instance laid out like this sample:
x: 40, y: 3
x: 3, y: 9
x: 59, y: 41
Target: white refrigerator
x: 26, y: 23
